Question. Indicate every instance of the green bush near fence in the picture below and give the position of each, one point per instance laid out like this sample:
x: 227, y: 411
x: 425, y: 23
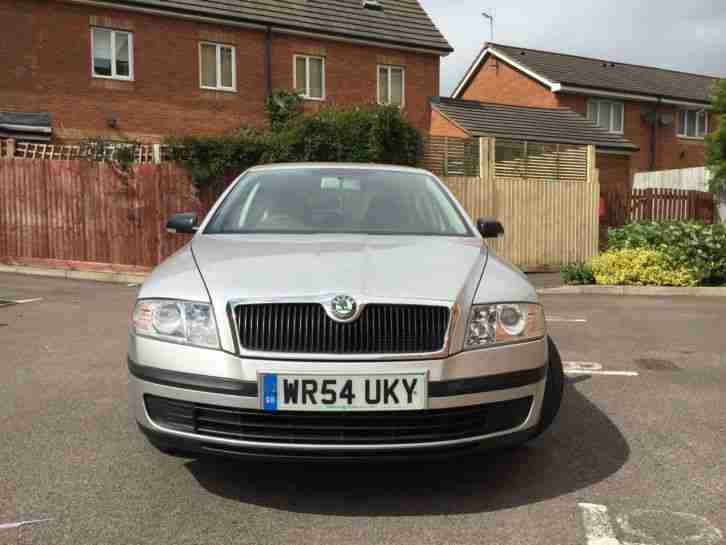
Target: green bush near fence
x: 657, y: 253
x: 577, y: 273
x: 699, y: 247
x: 371, y: 134
x: 640, y: 267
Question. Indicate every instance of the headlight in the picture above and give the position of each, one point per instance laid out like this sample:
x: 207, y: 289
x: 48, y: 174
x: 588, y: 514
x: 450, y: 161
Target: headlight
x: 504, y: 323
x: 176, y: 321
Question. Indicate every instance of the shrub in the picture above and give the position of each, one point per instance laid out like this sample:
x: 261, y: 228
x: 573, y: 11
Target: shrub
x: 282, y: 107
x: 699, y: 247
x: 375, y: 134
x: 577, y: 273
x: 640, y: 267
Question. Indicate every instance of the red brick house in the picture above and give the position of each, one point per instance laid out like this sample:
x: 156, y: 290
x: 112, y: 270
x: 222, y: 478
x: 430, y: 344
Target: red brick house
x: 662, y: 112
x: 143, y: 69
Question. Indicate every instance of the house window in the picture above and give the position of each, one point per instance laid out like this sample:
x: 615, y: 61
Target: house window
x: 692, y: 123
x: 309, y: 76
x: 112, y: 54
x: 217, y: 67
x: 391, y: 85
x: 607, y: 114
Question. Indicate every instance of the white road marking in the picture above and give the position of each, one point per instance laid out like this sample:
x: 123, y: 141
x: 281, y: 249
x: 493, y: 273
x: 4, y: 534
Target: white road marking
x: 700, y: 530
x: 23, y: 301
x: 13, y: 525
x: 593, y: 368
x: 598, y: 529
x: 647, y: 525
x: 566, y: 320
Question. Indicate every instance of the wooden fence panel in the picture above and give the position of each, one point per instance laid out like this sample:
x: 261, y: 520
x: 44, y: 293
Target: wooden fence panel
x: 658, y: 204
x: 450, y: 156
x: 546, y: 223
x: 75, y: 210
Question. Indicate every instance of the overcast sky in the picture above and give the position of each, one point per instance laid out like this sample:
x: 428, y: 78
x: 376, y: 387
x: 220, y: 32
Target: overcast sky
x: 688, y: 35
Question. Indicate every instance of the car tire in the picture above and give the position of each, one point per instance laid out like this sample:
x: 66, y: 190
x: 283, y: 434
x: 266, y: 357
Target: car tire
x: 554, y: 389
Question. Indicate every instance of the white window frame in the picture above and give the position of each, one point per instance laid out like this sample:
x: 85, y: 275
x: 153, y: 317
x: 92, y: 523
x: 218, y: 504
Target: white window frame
x: 113, y: 75
x: 613, y: 103
x: 681, y: 130
x: 306, y: 94
x: 388, y: 68
x: 218, y: 68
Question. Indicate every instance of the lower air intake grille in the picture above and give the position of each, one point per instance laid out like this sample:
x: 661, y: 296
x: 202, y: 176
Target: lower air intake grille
x: 305, y: 328
x: 354, y: 428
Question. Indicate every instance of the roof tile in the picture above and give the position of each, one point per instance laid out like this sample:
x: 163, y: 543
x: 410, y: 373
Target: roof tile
x: 560, y: 125
x: 609, y: 75
x: 400, y: 22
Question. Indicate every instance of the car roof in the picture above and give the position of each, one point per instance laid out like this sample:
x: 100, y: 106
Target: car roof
x: 343, y: 166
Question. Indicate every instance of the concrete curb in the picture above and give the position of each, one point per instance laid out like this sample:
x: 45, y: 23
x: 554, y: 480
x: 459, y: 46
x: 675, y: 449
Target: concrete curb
x: 73, y: 274
x: 650, y: 291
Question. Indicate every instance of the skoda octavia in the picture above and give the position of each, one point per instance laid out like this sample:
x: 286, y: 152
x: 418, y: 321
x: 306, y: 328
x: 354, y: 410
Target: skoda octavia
x: 339, y: 311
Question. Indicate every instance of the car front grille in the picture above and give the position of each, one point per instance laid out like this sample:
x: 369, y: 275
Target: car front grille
x: 352, y: 428
x: 305, y: 328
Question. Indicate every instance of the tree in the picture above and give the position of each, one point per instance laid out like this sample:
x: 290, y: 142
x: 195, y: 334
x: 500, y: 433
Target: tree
x: 716, y: 141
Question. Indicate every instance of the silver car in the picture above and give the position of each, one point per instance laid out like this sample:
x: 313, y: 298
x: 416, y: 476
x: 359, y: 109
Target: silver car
x: 339, y: 311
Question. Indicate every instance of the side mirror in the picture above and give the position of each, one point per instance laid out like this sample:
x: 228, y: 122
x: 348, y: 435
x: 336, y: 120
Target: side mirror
x: 185, y: 222
x: 489, y: 227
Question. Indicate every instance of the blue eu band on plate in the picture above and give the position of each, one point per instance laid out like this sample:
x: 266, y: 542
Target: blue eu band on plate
x: 282, y: 392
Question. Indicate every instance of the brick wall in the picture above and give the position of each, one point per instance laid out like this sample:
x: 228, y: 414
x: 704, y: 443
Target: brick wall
x: 500, y: 83
x: 440, y: 126
x: 46, y: 66
x: 614, y: 172
x: 672, y: 151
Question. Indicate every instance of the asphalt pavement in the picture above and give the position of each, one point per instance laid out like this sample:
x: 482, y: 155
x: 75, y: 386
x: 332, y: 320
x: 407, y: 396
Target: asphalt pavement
x: 636, y: 455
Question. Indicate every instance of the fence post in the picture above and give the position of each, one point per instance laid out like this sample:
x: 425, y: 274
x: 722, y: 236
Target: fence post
x: 446, y: 155
x: 156, y: 153
x: 483, y: 158
x: 10, y: 149
x: 648, y: 202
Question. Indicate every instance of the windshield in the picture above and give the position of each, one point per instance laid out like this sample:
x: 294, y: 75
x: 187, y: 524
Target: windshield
x: 315, y: 200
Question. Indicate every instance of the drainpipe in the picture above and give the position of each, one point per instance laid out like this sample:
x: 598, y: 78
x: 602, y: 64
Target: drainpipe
x: 653, y: 134
x: 268, y: 60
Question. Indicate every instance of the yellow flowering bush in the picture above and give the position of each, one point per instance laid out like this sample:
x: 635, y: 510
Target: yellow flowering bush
x: 640, y: 267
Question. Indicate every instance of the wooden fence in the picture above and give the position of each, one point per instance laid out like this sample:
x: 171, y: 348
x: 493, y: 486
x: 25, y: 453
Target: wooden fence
x: 547, y: 223
x: 143, y: 153
x: 658, y: 205
x: 85, y: 211
x: 449, y: 156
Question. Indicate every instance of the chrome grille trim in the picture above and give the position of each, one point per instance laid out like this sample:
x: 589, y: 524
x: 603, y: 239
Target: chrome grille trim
x: 300, y: 310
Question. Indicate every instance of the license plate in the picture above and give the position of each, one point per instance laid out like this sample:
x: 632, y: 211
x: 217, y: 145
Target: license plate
x: 282, y: 392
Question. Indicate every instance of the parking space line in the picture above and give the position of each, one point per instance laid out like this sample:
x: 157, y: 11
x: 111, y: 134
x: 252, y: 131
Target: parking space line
x: 4, y: 302
x: 555, y: 319
x: 593, y: 368
x: 598, y: 529
x: 14, y: 525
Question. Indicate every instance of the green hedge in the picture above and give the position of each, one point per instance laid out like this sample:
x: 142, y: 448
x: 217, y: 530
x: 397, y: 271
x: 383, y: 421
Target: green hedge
x: 640, y: 267
x: 577, y: 273
x: 698, y: 247
x: 372, y: 134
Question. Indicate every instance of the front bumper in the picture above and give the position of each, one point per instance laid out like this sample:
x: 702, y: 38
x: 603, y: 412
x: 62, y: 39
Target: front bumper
x: 481, y: 379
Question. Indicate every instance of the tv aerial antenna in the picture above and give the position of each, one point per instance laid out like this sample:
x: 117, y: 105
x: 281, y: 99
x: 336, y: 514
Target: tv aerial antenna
x: 490, y: 15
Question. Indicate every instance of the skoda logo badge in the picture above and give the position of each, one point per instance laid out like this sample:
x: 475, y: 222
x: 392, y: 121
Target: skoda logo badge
x: 343, y: 306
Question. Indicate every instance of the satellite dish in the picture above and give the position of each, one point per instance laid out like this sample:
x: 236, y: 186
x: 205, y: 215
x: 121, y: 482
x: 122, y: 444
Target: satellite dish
x: 667, y: 119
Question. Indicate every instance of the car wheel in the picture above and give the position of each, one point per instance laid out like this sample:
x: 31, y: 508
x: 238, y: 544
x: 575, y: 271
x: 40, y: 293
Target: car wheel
x: 554, y: 388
